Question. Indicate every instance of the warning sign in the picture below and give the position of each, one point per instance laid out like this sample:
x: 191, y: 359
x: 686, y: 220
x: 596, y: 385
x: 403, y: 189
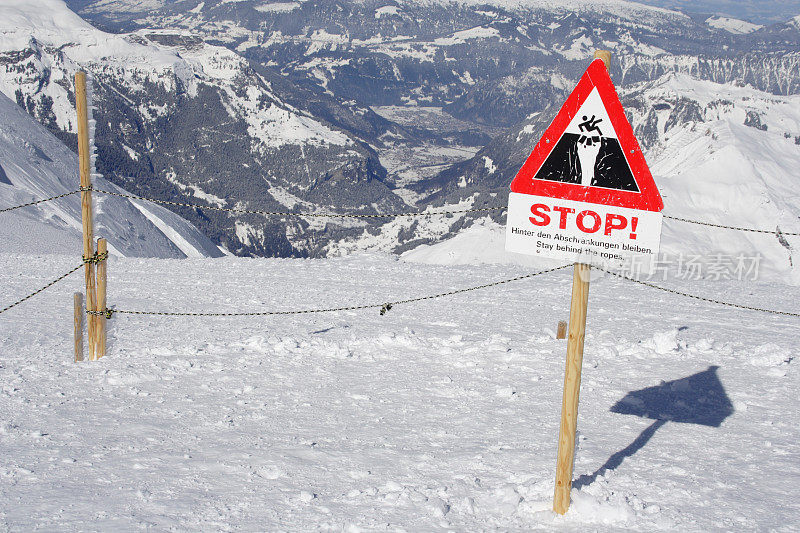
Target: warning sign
x: 585, y: 193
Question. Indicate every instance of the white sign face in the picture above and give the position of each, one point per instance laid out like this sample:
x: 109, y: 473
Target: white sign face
x: 580, y: 232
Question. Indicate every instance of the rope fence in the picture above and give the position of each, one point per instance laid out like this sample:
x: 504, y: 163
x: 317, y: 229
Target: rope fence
x: 419, y: 214
x: 709, y: 224
x: 702, y: 298
x: 385, y: 306
x: 39, y: 201
x: 292, y: 214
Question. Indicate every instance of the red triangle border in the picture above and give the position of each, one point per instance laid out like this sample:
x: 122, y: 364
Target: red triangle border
x: 648, y: 197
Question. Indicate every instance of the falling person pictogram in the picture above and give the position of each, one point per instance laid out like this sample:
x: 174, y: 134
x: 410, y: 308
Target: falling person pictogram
x: 587, y: 126
x: 589, y: 148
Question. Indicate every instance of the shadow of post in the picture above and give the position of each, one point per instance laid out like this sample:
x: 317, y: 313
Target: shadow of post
x: 615, y: 460
x: 696, y: 399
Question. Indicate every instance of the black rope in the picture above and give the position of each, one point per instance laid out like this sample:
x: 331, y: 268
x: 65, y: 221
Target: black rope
x: 108, y: 313
x: 384, y: 307
x: 43, y: 288
x: 38, y: 201
x: 397, y: 215
x: 776, y: 232
x: 737, y: 228
x: 291, y: 214
x: 95, y: 259
x: 694, y: 296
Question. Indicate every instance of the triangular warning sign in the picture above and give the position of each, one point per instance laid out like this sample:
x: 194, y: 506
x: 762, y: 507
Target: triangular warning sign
x: 589, y: 153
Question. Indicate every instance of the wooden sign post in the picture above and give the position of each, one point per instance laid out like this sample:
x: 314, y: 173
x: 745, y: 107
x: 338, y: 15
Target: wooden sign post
x: 584, y: 195
x: 572, y: 374
x: 84, y: 162
x: 572, y: 387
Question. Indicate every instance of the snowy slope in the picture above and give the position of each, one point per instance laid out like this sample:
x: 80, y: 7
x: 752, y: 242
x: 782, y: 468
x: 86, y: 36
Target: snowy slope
x: 709, y: 166
x: 438, y: 416
x: 726, y: 172
x: 36, y: 165
x: 732, y: 25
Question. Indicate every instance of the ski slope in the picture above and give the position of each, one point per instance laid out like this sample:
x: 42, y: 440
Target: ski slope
x: 439, y: 416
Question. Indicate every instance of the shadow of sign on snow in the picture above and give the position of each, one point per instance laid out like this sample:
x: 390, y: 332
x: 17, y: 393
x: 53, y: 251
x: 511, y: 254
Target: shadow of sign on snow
x: 696, y: 399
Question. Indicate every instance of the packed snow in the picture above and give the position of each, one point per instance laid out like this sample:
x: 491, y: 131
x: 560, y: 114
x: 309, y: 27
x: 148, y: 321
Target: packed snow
x: 439, y: 416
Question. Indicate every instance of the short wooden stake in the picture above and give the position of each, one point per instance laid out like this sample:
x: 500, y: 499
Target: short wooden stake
x: 572, y: 387
x: 84, y: 164
x: 562, y: 330
x: 77, y: 304
x: 100, y: 326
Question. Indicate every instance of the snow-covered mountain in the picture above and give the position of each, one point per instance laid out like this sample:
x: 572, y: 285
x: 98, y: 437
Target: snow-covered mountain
x: 181, y: 119
x: 486, y: 63
x: 35, y: 165
x: 386, y: 97
x: 437, y: 52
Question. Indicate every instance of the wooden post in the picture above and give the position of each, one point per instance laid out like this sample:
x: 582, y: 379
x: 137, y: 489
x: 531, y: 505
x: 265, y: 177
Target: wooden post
x: 605, y: 55
x: 84, y: 163
x: 572, y: 387
x: 77, y: 304
x: 572, y: 374
x: 100, y: 326
x: 562, y: 330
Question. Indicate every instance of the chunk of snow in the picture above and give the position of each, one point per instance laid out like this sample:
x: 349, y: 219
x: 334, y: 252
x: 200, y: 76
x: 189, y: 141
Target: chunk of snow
x: 278, y: 7
x: 489, y: 164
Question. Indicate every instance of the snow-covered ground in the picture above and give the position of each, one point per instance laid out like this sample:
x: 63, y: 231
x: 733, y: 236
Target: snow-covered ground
x: 439, y: 416
x: 733, y: 25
